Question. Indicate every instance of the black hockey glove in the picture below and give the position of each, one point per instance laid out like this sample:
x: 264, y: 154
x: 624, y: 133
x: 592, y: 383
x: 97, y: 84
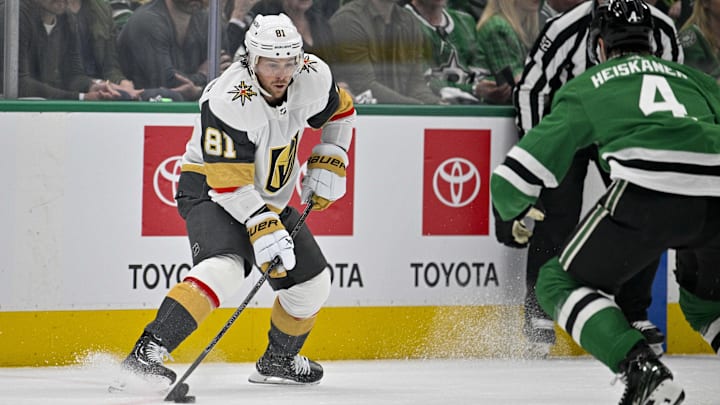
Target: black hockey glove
x: 515, y: 233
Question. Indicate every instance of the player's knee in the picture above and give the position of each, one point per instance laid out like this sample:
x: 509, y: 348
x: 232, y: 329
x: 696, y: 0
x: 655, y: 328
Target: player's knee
x: 220, y: 277
x: 305, y: 299
x: 553, y: 285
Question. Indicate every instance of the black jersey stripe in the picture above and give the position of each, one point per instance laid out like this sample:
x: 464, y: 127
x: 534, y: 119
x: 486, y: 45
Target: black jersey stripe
x: 522, y: 171
x: 672, y: 167
x: 577, y: 308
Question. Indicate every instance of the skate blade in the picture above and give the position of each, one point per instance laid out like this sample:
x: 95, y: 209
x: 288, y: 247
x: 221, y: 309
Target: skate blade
x: 668, y: 392
x: 140, y: 384
x: 258, y: 378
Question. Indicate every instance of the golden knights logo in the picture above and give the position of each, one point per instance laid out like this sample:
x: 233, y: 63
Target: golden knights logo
x: 282, y: 162
x: 308, y: 65
x: 243, y: 92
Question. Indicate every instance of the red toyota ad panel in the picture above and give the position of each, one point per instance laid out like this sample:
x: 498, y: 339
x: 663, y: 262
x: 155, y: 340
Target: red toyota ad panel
x: 338, y: 219
x: 164, y: 147
x: 456, y: 182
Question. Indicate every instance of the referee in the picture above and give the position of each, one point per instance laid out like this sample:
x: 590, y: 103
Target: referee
x: 564, y: 49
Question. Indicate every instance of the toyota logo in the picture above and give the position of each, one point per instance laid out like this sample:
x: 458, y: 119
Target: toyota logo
x: 463, y: 178
x: 169, y: 171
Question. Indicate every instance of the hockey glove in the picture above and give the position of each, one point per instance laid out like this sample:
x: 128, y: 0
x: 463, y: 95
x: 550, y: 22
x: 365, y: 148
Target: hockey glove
x: 324, y: 182
x: 269, y: 239
x: 515, y: 233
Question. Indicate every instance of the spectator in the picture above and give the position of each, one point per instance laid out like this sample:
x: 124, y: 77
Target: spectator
x: 506, y: 30
x: 164, y: 44
x: 92, y: 22
x: 379, y: 47
x: 700, y: 38
x: 121, y: 12
x: 48, y: 59
x: 238, y: 17
x: 678, y: 10
x: 473, y: 7
x: 452, y: 48
x: 551, y: 8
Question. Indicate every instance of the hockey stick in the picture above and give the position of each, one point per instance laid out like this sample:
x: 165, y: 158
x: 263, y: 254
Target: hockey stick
x: 176, y: 393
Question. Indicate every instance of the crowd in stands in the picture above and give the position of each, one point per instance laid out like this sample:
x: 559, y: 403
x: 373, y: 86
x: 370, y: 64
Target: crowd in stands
x: 381, y: 51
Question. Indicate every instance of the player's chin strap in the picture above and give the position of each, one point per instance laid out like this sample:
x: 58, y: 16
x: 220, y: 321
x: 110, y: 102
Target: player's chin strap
x: 179, y: 390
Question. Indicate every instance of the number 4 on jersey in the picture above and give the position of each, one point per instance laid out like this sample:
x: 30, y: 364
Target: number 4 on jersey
x: 651, y: 86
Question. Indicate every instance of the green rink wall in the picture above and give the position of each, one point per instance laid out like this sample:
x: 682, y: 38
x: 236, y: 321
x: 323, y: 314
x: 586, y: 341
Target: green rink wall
x: 49, y: 338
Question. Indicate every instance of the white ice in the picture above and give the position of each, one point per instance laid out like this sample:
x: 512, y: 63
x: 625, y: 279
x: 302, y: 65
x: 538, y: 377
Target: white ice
x: 555, y: 381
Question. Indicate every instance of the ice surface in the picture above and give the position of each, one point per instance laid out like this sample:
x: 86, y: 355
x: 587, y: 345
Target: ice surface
x: 555, y: 381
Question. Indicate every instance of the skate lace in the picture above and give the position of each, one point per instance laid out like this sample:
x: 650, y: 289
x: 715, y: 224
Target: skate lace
x: 302, y: 365
x: 157, y: 353
x: 643, y: 325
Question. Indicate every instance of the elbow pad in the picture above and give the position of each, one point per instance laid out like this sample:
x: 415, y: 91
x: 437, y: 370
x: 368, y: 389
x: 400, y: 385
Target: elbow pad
x: 241, y: 203
x: 339, y: 131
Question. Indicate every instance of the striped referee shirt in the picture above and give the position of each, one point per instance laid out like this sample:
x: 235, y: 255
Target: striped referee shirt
x: 561, y: 53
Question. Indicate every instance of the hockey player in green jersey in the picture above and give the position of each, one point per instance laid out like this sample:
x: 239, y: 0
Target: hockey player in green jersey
x: 655, y: 123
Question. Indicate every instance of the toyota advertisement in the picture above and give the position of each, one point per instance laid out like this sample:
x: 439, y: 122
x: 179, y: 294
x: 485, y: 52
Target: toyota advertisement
x: 97, y: 226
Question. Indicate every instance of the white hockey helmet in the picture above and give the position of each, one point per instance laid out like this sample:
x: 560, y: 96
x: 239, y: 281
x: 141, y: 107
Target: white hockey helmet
x: 272, y: 36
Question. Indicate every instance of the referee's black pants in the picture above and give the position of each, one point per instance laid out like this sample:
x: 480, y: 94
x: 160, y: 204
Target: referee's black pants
x: 562, y: 207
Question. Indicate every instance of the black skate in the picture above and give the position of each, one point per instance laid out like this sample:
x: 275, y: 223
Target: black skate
x: 654, y: 337
x: 146, y: 362
x: 648, y: 381
x: 292, y: 370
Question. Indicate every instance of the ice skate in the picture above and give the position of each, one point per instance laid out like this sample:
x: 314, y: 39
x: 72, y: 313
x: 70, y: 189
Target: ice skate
x: 146, y: 363
x: 654, y: 337
x: 540, y: 335
x: 292, y: 370
x: 648, y: 381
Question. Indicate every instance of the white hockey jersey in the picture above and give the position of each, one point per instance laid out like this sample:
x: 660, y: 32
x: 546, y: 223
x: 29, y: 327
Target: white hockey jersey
x: 239, y: 139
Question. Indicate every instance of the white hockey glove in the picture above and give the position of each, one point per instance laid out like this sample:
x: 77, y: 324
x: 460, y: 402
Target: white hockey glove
x: 516, y: 233
x: 324, y: 181
x: 270, y: 239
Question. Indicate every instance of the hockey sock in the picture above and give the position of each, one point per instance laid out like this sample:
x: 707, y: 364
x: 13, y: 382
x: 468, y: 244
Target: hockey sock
x: 593, y: 320
x: 703, y: 316
x: 287, y: 334
x: 180, y: 313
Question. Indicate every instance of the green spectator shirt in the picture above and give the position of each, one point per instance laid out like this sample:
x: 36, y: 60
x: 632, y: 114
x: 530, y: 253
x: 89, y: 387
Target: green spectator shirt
x: 500, y: 46
x: 452, y: 50
x: 655, y: 123
x: 699, y: 53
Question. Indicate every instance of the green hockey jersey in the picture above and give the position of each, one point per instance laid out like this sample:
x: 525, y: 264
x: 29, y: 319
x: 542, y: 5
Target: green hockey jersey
x: 655, y: 123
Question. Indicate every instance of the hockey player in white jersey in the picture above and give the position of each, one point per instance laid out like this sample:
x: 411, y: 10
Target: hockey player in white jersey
x: 238, y: 174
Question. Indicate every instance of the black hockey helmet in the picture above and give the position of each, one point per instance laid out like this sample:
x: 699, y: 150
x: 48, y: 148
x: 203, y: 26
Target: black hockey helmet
x: 598, y: 7
x: 625, y: 25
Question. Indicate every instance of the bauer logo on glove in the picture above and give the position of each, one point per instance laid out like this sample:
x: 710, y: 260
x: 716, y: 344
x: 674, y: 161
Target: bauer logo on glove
x: 269, y: 239
x: 325, y: 180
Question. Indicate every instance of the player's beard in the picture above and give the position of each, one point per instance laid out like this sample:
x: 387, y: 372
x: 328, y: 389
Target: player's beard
x: 276, y: 89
